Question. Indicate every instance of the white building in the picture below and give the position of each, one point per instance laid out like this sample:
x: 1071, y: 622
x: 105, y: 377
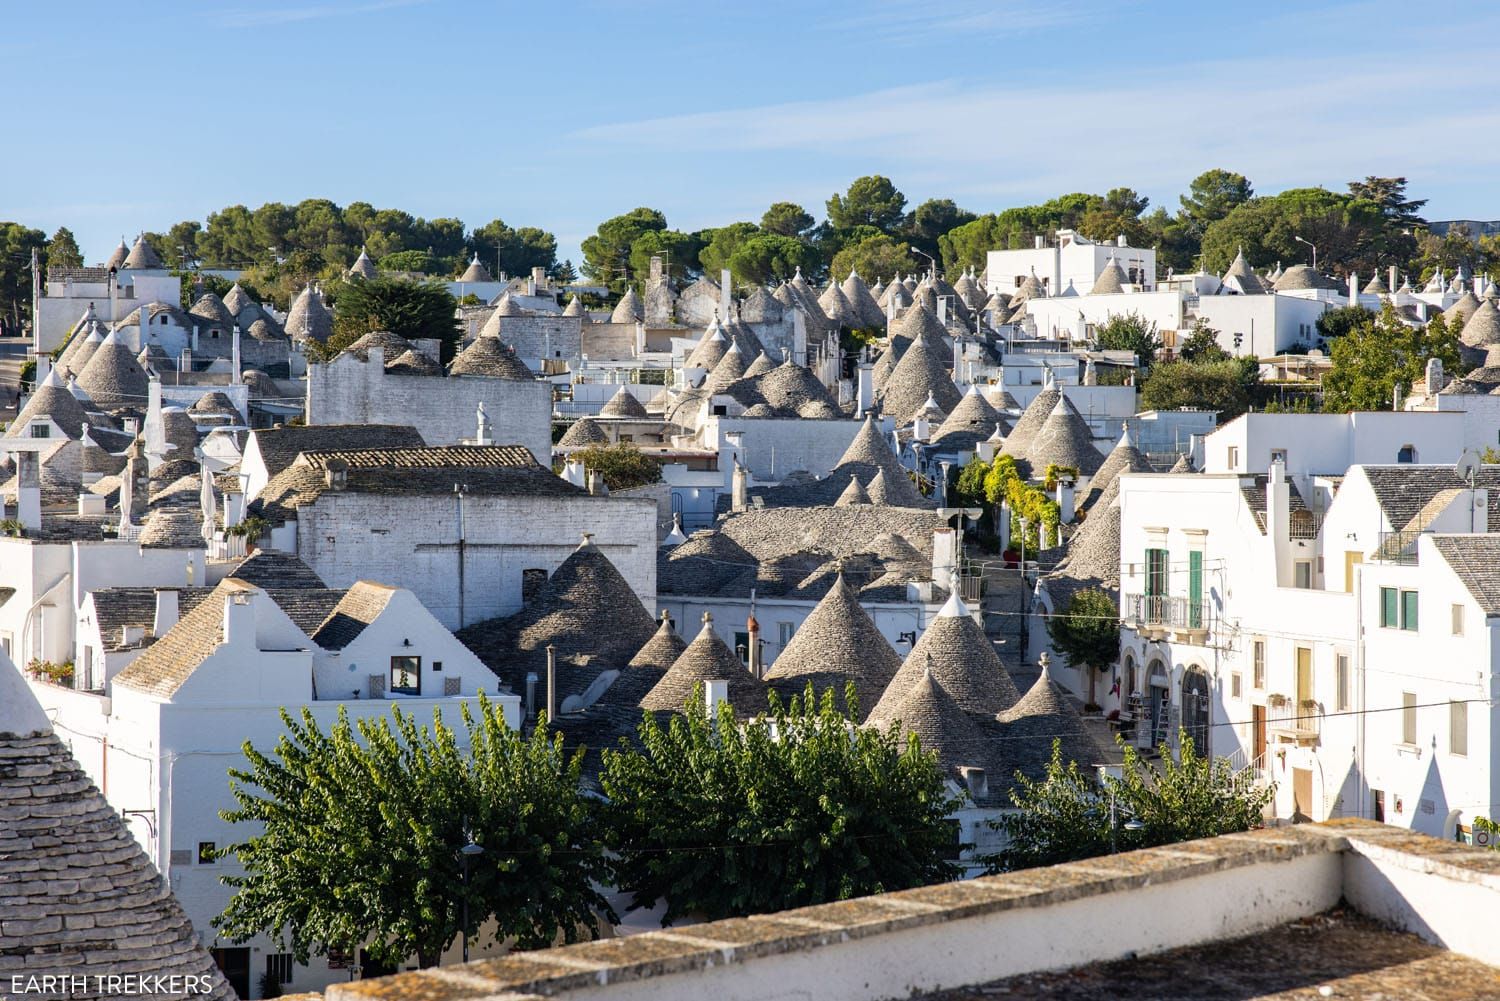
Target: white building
x: 1070, y: 265
x: 160, y: 741
x: 129, y: 280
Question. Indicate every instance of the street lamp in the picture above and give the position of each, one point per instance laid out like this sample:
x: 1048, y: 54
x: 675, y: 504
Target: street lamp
x: 1314, y: 247
x: 932, y: 260
x: 465, y: 853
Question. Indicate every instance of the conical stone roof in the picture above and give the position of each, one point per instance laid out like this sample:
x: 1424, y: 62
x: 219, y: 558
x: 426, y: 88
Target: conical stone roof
x: 491, y: 358
x: 363, y: 266
x: 1031, y: 421
x: 837, y: 307
x: 707, y: 658
x: 1462, y: 309
x: 51, y: 399
x: 117, y: 257
x: 624, y: 404
x: 1249, y: 281
x: 309, y: 318
x: 237, y: 300
x: 211, y: 308
x: 628, y: 309
x: 1045, y: 714
x: 1123, y: 458
x: 662, y: 649
x: 760, y: 306
x: 837, y: 643
x: 113, y: 378
x: 868, y: 454
x: 918, y: 375
x: 941, y: 724
x: 81, y: 897
x: 1184, y: 464
x: 1093, y: 557
x: 475, y: 272
x: 793, y: 387
x: 710, y: 350
x: 762, y: 365
x: 1111, y: 280
x: 730, y: 369
x: 918, y: 322
x: 585, y: 431
x: 646, y: 668
x: 505, y: 306
x: 961, y: 658
x: 575, y: 307
x: 853, y: 494
x: 972, y: 414
x: 1064, y: 439
x: 863, y: 302
x: 1483, y: 327
x: 1374, y: 286
x: 82, y: 348
x: 142, y: 256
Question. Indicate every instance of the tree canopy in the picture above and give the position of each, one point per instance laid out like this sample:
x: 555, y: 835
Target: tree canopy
x: 358, y: 831
x: 870, y: 201
x: 1374, y: 356
x: 410, y: 309
x: 1129, y: 332
x: 622, y: 464
x: 796, y: 807
x: 606, y: 254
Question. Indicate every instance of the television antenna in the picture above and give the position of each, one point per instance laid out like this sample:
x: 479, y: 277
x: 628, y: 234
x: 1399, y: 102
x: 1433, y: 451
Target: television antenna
x: 1466, y: 469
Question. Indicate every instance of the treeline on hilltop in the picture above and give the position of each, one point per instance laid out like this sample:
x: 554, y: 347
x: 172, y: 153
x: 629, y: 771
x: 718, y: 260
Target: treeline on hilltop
x: 870, y: 228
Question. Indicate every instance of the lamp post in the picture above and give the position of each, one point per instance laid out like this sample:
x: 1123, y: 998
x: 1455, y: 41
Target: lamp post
x: 465, y: 853
x: 931, y: 260
x: 1314, y: 247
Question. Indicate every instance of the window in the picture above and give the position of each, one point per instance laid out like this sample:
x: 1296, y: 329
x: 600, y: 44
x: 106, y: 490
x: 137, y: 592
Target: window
x: 742, y: 647
x: 1379, y: 804
x: 1341, y: 687
x: 1233, y: 457
x: 406, y: 675
x: 1156, y: 572
x: 785, y: 631
x: 437, y: 667
x: 1458, y: 728
x: 1398, y: 609
x: 41, y: 429
x: 1302, y: 574
x: 1458, y: 620
x: 1409, y: 718
x: 279, y: 967
x: 207, y: 853
x: 1236, y: 685
x: 1259, y: 659
x: 1278, y: 455
x: 1406, y: 453
x: 1195, y: 589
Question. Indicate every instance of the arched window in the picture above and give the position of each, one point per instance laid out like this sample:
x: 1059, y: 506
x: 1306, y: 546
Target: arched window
x: 1406, y: 453
x: 1130, y: 688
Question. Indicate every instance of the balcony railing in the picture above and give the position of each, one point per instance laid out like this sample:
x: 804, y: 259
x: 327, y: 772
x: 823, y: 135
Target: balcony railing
x: 1161, y: 611
x: 1300, y: 720
x: 1397, y: 547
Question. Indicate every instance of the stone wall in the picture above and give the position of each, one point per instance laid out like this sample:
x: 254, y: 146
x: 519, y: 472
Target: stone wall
x: 537, y: 337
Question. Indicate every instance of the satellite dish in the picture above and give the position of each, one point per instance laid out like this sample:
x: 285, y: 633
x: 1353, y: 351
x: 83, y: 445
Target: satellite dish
x: 1467, y: 466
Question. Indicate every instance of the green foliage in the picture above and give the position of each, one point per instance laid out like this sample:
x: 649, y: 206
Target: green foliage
x: 1338, y: 322
x: 16, y: 244
x: 874, y: 256
x: 679, y: 252
x: 514, y: 251
x: 1087, y: 630
x: 414, y: 261
x: 252, y: 529
x: 721, y: 245
x: 1374, y: 356
x: 969, y: 486
x: 1129, y: 332
x: 1211, y: 196
x: 770, y: 258
x: 622, y: 465
x: 1226, y: 385
x: 1489, y: 826
x: 564, y: 273
x: 410, y: 309
x: 870, y: 201
x: 358, y: 831
x: 62, y: 250
x: 787, y: 219
x: 1003, y: 483
x: 796, y: 807
x: 28, y: 372
x: 1201, y: 344
x: 606, y: 254
x: 933, y: 218
x: 12, y: 528
x: 51, y: 672
x: 1390, y: 194
x: 1066, y: 815
x: 1350, y: 233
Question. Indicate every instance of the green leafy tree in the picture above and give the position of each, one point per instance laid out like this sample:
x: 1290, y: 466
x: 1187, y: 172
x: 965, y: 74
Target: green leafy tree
x: 1174, y: 238
x: 410, y: 309
x: 359, y: 831
x: 1390, y: 194
x: 1087, y: 632
x: 622, y: 465
x: 870, y: 201
x: 564, y: 273
x: 1351, y: 234
x: 678, y: 250
x: 1129, y: 332
x: 1225, y: 385
x: 1066, y: 815
x: 721, y: 243
x: 414, y: 261
x: 795, y: 807
x: 875, y: 256
x: 16, y: 245
x: 1212, y: 195
x: 768, y: 257
x: 62, y: 250
x: 514, y: 251
x: 1337, y: 322
x: 606, y: 254
x: 787, y: 219
x: 1373, y: 357
x: 1201, y: 344
x: 935, y: 217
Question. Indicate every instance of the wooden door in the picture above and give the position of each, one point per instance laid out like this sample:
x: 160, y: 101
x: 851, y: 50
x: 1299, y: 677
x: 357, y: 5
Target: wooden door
x: 1352, y: 558
x: 234, y: 963
x: 1304, y: 677
x: 1302, y: 794
x: 1257, y: 732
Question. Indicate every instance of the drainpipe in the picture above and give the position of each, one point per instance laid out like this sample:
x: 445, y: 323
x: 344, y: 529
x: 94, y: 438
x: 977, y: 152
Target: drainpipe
x: 458, y: 494
x: 1359, y: 672
x: 551, y: 682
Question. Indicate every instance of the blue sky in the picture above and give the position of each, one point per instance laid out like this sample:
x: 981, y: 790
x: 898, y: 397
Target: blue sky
x: 559, y: 116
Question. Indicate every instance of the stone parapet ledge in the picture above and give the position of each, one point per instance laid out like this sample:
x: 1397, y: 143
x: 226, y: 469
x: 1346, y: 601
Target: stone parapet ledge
x: 589, y: 966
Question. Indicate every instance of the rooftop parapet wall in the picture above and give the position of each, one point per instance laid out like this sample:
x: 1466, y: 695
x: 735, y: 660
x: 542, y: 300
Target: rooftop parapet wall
x: 957, y: 934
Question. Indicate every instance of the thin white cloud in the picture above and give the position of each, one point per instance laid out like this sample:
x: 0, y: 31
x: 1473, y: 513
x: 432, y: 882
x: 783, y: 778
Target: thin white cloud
x: 902, y: 19
x: 261, y: 17
x: 1281, y: 121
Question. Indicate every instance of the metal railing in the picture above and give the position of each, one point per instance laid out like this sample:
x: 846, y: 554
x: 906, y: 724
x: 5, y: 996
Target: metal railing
x: 1304, y: 524
x: 1397, y: 547
x: 1166, y: 611
x: 1285, y: 714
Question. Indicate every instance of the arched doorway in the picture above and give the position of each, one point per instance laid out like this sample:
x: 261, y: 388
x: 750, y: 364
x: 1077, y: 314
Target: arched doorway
x: 1196, y: 703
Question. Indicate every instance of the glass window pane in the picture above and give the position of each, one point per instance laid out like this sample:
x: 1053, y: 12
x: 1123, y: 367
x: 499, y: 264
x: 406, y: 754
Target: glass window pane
x: 1409, y: 610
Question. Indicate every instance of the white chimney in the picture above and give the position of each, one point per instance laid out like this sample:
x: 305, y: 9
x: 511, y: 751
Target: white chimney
x: 29, y: 490
x: 43, y: 367
x: 729, y: 456
x: 156, y: 431
x: 1120, y: 241
x: 1391, y: 279
x: 166, y: 611
x: 865, y: 396
x: 573, y: 472
x: 1065, y: 502
x: 921, y: 429
x: 1279, y: 520
x: 531, y: 681
x: 715, y: 694
x: 239, y: 619
x: 740, y: 488
x: 944, y: 554
x: 1354, y: 288
x: 1040, y: 244
x: 234, y: 353
x: 942, y: 308
x: 726, y: 294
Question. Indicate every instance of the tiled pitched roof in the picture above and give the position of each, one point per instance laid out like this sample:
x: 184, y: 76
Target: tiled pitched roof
x: 1404, y: 490
x: 360, y: 606
x: 279, y: 447
x: 1475, y: 560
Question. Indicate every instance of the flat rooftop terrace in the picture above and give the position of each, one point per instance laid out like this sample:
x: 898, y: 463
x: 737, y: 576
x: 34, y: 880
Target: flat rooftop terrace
x: 1343, y: 951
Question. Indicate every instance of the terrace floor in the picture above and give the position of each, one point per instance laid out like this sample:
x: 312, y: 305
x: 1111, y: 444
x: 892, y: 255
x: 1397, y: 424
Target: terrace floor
x: 1338, y: 954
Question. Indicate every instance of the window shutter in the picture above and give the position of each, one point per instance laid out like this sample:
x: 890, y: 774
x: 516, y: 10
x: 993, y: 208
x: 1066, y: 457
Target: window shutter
x: 1389, y: 612
x: 1409, y: 610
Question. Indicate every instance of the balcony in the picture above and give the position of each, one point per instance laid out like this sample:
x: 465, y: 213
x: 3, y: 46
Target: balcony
x: 1399, y: 548
x: 1290, y: 720
x: 1160, y: 614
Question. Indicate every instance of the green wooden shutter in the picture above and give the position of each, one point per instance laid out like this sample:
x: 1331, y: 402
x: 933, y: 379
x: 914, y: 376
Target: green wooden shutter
x: 1389, y: 609
x: 1409, y: 610
x: 1195, y: 589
